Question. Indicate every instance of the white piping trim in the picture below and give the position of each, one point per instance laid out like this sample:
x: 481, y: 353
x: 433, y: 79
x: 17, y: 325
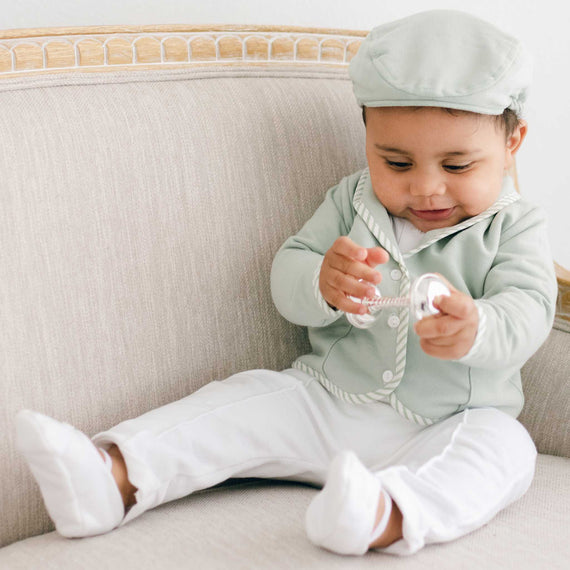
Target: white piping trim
x: 368, y: 398
x: 385, y: 242
x: 380, y: 395
x: 408, y: 414
x: 319, y: 296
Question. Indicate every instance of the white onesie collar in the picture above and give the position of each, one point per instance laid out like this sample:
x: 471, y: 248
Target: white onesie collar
x: 407, y: 235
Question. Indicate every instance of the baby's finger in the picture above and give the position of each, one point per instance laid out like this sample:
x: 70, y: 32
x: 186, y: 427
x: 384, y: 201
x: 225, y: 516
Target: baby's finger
x: 339, y: 300
x: 349, y: 306
x: 376, y: 256
x: 457, y: 305
x: 350, y: 286
x: 447, y: 340
x: 453, y: 351
x: 355, y: 269
x: 438, y: 326
x: 346, y: 247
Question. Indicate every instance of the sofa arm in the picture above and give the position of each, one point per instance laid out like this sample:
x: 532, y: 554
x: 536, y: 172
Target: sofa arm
x: 545, y: 376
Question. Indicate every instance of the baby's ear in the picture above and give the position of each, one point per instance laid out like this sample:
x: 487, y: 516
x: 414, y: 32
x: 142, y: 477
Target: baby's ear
x: 514, y: 142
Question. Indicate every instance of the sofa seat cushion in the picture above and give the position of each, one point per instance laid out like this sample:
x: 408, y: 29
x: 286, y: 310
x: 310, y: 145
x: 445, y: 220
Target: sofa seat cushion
x: 260, y: 524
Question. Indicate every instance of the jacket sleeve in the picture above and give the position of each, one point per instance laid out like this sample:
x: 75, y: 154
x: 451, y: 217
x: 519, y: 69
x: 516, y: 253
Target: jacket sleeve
x: 517, y: 308
x: 296, y: 266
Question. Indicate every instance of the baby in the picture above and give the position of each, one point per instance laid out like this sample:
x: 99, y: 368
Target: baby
x: 410, y: 426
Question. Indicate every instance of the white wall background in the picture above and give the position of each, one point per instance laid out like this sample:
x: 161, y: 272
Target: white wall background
x: 544, y: 25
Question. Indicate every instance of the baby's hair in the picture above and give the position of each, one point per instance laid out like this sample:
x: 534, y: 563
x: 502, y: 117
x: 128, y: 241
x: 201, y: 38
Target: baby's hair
x: 508, y: 120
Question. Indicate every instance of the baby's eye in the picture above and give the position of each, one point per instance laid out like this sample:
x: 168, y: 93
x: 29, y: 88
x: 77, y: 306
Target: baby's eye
x: 398, y: 165
x: 456, y: 167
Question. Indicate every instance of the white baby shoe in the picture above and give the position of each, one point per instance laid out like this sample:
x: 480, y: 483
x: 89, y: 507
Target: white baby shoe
x: 79, y: 491
x: 341, y: 517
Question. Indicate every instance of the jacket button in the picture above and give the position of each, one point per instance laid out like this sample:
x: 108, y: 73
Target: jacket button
x: 393, y: 321
x: 396, y: 274
x: 387, y: 376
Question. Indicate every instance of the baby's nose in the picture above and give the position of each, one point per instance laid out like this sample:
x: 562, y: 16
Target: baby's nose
x: 427, y: 185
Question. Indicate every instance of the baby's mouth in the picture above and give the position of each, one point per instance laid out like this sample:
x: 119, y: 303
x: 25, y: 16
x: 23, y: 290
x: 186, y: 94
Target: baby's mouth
x: 433, y: 215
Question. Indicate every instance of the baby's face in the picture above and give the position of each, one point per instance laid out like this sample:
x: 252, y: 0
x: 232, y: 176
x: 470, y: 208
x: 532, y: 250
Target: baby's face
x: 434, y: 168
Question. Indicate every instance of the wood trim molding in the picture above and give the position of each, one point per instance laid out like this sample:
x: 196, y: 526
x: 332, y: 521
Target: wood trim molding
x: 563, y: 301
x: 173, y: 28
x: 93, y: 48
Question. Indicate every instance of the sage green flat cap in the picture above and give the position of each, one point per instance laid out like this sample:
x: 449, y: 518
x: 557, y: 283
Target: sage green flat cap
x: 441, y: 58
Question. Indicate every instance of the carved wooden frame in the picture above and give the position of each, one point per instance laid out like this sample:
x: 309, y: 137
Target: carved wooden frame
x: 37, y: 51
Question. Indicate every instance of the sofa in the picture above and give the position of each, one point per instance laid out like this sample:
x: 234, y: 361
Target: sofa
x: 148, y: 176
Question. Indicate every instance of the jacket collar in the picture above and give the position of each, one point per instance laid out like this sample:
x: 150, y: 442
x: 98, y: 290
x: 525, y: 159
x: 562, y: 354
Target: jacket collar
x: 376, y: 217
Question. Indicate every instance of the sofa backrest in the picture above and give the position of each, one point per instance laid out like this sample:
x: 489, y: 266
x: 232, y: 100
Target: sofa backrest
x: 140, y: 209
x: 139, y: 214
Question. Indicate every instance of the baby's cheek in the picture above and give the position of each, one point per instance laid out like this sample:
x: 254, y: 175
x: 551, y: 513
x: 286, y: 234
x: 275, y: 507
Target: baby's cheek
x: 482, y: 194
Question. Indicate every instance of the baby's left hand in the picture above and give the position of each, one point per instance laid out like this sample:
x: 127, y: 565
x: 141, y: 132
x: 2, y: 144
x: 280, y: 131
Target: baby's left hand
x: 450, y: 334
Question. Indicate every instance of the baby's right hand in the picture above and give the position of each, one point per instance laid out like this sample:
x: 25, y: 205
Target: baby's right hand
x: 344, y: 264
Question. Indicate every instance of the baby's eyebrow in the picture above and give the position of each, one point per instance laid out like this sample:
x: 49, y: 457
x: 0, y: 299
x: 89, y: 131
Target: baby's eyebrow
x: 461, y: 152
x: 396, y: 150
x: 391, y: 149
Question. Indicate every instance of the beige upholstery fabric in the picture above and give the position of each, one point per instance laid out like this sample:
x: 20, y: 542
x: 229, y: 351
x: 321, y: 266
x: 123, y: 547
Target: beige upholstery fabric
x: 128, y: 274
x: 546, y: 385
x: 261, y: 526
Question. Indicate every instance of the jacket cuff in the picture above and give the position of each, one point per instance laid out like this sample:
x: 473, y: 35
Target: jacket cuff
x: 327, y: 309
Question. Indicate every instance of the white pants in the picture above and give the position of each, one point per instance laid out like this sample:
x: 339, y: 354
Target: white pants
x: 448, y: 479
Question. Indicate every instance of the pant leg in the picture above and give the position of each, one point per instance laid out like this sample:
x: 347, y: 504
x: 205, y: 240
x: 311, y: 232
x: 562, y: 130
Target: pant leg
x: 455, y: 476
x: 259, y: 423
x: 253, y: 424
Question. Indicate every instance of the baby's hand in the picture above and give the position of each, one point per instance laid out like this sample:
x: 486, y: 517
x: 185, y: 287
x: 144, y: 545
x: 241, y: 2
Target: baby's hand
x: 450, y: 334
x: 344, y: 264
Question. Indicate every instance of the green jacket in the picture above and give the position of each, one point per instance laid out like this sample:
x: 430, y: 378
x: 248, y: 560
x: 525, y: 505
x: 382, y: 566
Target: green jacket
x: 500, y: 257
